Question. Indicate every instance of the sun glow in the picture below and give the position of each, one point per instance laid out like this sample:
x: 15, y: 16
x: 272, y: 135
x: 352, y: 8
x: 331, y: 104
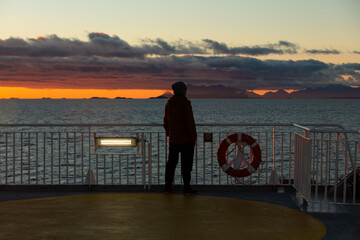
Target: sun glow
x: 30, y: 93
x: 263, y: 91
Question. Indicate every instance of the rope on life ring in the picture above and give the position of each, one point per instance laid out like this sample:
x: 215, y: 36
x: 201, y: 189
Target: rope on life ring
x: 232, y: 168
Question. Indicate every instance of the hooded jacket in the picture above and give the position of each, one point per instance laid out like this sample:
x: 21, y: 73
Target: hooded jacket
x: 179, y: 121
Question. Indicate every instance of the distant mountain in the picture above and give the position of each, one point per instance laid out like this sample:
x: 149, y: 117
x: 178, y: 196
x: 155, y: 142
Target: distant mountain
x: 252, y: 95
x: 122, y: 98
x: 220, y: 91
x: 166, y: 95
x: 278, y: 94
x: 159, y: 97
x: 214, y: 91
x: 331, y: 91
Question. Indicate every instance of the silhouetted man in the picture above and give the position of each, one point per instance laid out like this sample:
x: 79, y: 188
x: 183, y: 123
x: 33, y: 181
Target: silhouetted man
x: 179, y: 125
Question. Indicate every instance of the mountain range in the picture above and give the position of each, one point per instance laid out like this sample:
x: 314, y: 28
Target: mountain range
x: 220, y: 91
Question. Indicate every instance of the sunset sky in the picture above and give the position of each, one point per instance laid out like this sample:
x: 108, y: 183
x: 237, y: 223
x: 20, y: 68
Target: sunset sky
x: 110, y: 48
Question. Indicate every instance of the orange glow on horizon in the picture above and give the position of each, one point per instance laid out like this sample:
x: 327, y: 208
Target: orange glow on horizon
x: 263, y: 91
x: 37, y: 93
x: 30, y: 93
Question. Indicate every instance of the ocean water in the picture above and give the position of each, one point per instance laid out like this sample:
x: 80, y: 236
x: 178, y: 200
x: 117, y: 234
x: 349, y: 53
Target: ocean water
x: 345, y: 112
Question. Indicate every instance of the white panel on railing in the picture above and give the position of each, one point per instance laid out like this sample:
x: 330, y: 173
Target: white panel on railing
x: 302, y: 166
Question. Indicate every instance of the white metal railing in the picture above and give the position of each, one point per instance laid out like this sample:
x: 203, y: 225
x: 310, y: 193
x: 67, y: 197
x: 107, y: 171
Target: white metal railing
x: 63, y: 154
x: 37, y: 154
x: 334, y: 168
x: 302, y: 166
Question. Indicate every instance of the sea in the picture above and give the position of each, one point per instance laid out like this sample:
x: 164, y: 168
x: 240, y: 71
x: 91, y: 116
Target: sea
x: 345, y: 112
x: 28, y: 155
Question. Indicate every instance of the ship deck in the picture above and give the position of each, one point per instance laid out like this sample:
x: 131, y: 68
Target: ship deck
x: 129, y: 212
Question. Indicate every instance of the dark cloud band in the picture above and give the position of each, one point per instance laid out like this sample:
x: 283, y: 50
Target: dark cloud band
x: 104, y: 45
x: 323, y: 51
x: 115, y: 73
x: 109, y: 62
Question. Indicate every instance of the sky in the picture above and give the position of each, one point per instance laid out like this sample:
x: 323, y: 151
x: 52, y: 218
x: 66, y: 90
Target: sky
x: 108, y: 48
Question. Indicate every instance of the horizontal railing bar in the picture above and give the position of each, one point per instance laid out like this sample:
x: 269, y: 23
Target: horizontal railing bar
x: 314, y: 130
x: 160, y: 125
x: 302, y: 127
x: 333, y: 131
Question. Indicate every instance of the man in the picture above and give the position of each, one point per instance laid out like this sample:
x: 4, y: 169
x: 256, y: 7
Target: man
x: 179, y: 125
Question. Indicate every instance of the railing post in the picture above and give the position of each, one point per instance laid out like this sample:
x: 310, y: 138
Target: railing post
x: 355, y: 171
x: 143, y: 161
x: 273, y: 148
x: 204, y: 164
x: 266, y: 158
x: 336, y: 166
x: 82, y: 157
x: 74, y: 157
x: 313, y: 154
x: 274, y: 177
x: 6, y: 158
x: 158, y: 158
x: 166, y: 154
x: 89, y: 148
x: 212, y: 163
x: 150, y: 161
x: 59, y: 149
x: 44, y: 156
x: 37, y: 157
x: 29, y: 154
x: 21, y: 158
x: 67, y: 157
x: 14, y: 157
x: 52, y: 158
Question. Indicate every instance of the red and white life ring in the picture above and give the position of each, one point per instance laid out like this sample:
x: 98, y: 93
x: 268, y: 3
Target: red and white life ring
x: 240, y: 139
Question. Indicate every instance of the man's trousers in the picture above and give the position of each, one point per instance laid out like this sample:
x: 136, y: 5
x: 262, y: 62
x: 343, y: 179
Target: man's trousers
x: 187, y: 154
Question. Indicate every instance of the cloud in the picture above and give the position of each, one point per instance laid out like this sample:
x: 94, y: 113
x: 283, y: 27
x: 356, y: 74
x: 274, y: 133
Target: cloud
x: 161, y: 47
x: 268, y: 67
x: 104, y: 45
x: 159, y: 72
x: 99, y: 44
x: 322, y: 51
x: 351, y: 66
x: 282, y: 47
x: 218, y: 48
x: 109, y: 62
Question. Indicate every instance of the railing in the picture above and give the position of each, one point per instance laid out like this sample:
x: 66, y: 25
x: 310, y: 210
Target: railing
x: 335, y: 172
x: 302, y: 166
x: 53, y: 154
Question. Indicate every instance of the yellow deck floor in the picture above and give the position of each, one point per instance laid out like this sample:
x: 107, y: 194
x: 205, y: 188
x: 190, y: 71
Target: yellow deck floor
x: 153, y: 216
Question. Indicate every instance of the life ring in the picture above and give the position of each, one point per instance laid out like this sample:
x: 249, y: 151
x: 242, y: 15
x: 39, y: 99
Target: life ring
x: 250, y: 167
